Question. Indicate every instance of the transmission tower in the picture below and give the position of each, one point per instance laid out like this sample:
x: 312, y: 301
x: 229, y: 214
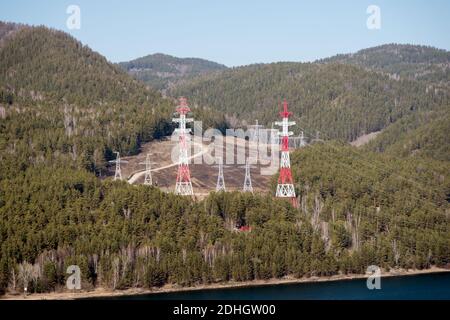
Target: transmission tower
x: 183, y: 185
x: 248, y: 179
x: 118, y: 161
x: 285, y: 187
x: 220, y: 186
x: 148, y: 180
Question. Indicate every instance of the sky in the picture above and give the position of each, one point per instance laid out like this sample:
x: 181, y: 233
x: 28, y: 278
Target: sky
x: 241, y: 32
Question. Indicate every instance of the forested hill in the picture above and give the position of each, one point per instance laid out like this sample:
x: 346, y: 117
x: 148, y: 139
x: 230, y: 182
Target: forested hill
x: 341, y: 101
x: 402, y: 61
x: 423, y: 134
x: 357, y: 209
x: 420, y: 134
x: 42, y: 63
x: 160, y: 71
x: 61, y: 102
x: 7, y: 30
x: 64, y: 109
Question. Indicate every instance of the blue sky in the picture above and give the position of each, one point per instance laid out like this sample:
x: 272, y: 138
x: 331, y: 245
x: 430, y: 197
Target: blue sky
x: 238, y: 32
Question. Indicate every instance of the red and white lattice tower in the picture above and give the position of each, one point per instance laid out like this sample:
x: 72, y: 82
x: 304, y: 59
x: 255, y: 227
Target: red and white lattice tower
x: 285, y: 187
x: 184, y: 184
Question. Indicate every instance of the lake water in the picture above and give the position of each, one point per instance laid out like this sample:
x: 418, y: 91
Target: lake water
x: 434, y: 286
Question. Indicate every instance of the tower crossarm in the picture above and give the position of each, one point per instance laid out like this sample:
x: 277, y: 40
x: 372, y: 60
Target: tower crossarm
x: 181, y: 120
x: 282, y: 123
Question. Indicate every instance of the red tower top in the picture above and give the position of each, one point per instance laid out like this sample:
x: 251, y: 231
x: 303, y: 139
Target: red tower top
x: 183, y: 106
x: 285, y: 113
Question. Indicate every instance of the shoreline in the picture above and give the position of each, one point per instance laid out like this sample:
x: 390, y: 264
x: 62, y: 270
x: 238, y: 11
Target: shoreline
x: 107, y: 293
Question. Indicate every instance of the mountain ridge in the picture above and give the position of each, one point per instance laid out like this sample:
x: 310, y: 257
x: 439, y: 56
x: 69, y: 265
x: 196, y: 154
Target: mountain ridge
x: 340, y: 100
x: 160, y: 70
x: 418, y: 62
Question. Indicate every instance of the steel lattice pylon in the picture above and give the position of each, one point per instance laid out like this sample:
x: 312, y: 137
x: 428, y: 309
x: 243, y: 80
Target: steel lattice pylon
x: 118, y: 161
x: 183, y: 185
x: 220, y: 186
x: 285, y: 187
x: 248, y: 187
x: 148, y: 180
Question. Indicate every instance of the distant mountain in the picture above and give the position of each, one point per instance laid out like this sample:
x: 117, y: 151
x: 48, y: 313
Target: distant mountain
x: 402, y: 61
x: 160, y: 71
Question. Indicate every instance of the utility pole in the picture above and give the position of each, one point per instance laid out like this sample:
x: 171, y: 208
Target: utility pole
x: 183, y: 184
x: 285, y: 187
x: 118, y: 161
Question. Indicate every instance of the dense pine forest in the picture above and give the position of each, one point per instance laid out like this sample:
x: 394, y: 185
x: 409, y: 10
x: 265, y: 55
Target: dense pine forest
x: 161, y: 71
x: 341, y: 101
x: 357, y: 209
x: 422, y: 63
x: 64, y: 109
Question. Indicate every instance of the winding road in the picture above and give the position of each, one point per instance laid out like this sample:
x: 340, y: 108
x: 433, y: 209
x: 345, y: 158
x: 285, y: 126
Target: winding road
x: 137, y: 174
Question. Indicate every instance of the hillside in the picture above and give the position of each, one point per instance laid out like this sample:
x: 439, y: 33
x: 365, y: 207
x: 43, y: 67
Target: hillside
x: 341, y: 101
x: 40, y: 63
x: 402, y: 61
x: 61, y: 102
x: 357, y: 209
x: 161, y: 71
x: 423, y: 134
x: 8, y: 30
x: 64, y: 109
